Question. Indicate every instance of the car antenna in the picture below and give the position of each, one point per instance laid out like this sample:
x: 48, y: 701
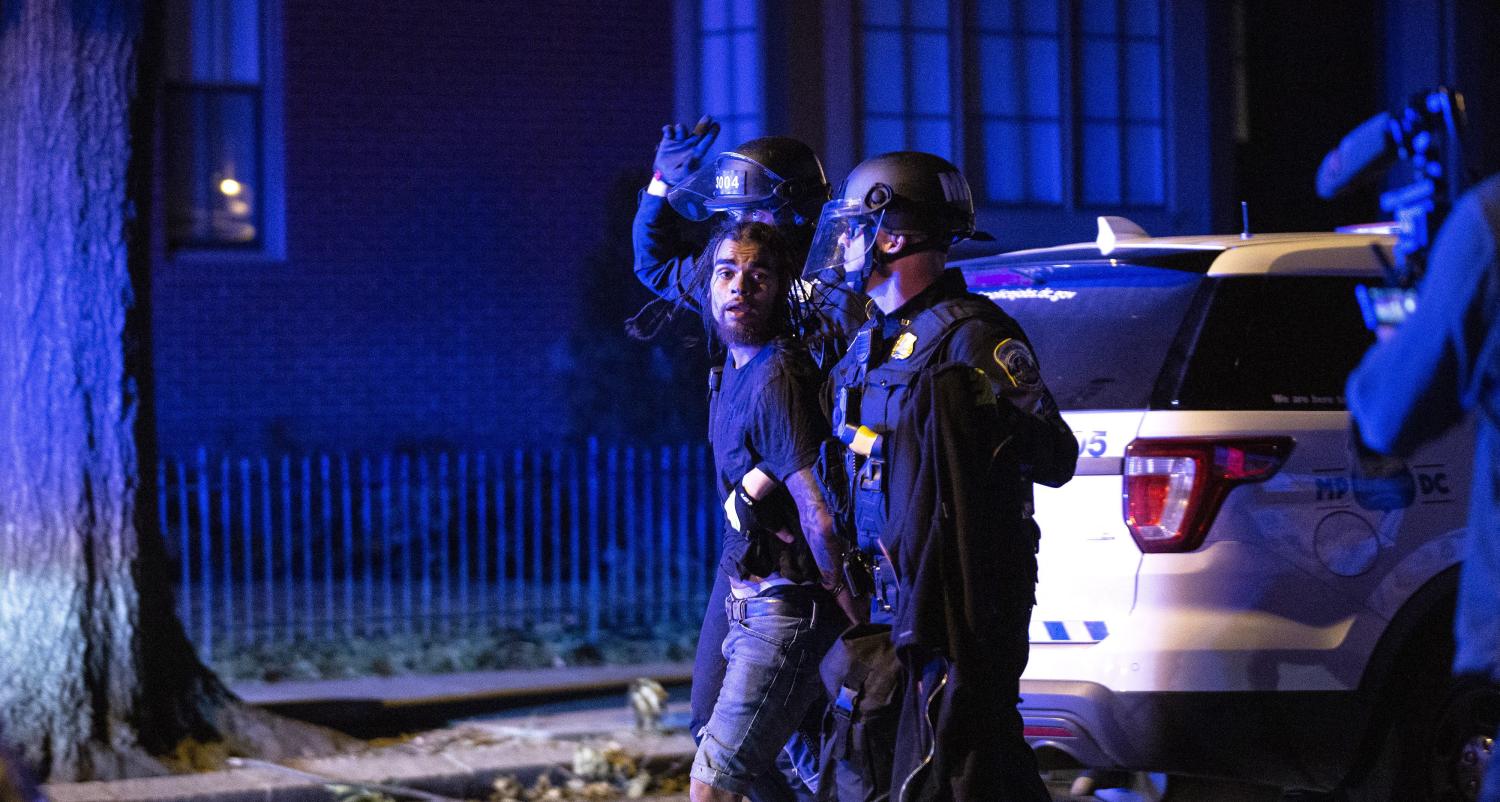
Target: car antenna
x: 1245, y: 218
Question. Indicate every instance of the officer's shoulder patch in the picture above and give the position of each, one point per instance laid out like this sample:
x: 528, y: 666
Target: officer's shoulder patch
x: 1018, y: 364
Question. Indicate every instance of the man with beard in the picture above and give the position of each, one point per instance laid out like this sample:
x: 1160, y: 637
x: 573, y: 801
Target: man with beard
x: 775, y: 180
x: 771, y: 179
x: 786, y: 602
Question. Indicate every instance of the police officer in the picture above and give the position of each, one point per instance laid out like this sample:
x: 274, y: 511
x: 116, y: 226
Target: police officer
x: 776, y: 180
x: 942, y: 404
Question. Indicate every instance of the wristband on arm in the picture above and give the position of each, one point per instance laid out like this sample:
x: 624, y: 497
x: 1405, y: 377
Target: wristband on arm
x: 739, y: 507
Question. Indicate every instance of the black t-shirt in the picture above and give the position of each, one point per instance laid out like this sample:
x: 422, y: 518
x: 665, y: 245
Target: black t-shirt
x: 766, y: 415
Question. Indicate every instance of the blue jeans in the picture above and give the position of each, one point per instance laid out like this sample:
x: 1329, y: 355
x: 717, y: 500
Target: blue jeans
x: 799, y: 756
x: 770, y: 682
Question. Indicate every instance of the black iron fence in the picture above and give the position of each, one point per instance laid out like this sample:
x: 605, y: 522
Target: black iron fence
x: 278, y: 548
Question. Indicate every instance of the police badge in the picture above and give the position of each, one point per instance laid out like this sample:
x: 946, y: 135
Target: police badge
x: 1019, y: 365
x: 904, y: 345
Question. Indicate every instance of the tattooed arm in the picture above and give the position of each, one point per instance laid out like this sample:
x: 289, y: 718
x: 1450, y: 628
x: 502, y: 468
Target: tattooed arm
x: 827, y: 547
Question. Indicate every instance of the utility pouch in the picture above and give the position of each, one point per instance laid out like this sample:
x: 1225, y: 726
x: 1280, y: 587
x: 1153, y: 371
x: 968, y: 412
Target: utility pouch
x: 864, y: 679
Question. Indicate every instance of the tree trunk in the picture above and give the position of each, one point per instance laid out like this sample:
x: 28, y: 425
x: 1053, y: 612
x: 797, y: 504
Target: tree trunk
x: 96, y: 673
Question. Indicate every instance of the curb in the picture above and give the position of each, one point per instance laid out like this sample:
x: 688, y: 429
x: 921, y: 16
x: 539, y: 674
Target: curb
x: 459, y: 772
x: 372, y: 707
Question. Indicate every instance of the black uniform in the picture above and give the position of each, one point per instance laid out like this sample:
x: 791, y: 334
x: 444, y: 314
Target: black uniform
x: 947, y: 323
x: 665, y: 246
x: 962, y: 541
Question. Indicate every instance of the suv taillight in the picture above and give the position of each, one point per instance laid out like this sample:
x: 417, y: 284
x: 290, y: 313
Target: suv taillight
x: 1174, y: 486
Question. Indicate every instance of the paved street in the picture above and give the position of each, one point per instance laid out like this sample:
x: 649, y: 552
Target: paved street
x: 592, y: 719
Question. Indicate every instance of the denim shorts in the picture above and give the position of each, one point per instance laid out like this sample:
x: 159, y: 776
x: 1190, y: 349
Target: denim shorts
x: 770, y: 684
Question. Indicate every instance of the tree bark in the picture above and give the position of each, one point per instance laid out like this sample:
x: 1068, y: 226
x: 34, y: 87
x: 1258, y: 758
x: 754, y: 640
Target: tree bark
x: 96, y: 673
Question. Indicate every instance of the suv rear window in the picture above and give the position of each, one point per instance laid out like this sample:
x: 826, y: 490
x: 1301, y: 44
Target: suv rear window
x: 1275, y: 342
x: 1101, y: 333
x: 1128, y: 336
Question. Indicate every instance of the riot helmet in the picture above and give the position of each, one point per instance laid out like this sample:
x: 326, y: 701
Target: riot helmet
x: 775, y: 173
x: 905, y: 192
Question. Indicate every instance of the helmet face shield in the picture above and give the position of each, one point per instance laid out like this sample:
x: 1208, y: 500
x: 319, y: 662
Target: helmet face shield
x: 732, y: 182
x: 843, y: 243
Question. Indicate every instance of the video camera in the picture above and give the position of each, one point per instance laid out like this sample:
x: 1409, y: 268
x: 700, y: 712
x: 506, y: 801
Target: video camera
x: 1425, y: 135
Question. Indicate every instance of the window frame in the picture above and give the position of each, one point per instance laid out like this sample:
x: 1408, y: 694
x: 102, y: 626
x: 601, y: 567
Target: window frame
x: 692, y: 96
x: 967, y: 116
x: 1121, y: 38
x: 269, y: 95
x: 908, y: 29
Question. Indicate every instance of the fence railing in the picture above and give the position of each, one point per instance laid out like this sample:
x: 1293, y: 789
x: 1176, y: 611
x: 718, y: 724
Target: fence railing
x: 271, y: 549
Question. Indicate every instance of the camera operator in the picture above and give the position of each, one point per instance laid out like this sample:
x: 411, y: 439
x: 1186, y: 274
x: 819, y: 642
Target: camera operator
x: 1425, y: 376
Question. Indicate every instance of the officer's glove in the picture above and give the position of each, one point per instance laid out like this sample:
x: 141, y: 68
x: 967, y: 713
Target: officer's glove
x: 681, y: 151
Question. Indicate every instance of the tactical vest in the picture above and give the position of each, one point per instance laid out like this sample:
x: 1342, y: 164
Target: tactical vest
x: 868, y: 400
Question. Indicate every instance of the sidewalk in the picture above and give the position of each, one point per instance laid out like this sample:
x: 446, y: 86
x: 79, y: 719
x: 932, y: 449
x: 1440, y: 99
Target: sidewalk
x: 457, y: 762
x: 371, y: 707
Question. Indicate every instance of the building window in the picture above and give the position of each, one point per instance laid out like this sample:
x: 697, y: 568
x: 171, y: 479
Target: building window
x: 1062, y: 98
x: 1020, y: 75
x: 220, y: 191
x: 1119, y: 101
x: 731, y: 67
x: 906, y: 95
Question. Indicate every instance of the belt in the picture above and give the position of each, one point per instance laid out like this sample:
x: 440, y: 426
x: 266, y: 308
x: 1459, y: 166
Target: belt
x: 740, y: 609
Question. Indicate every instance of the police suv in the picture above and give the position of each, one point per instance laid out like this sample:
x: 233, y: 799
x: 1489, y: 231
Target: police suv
x: 1219, y: 600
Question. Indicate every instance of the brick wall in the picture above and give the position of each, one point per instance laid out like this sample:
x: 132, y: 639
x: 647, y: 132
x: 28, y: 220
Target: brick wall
x: 447, y: 172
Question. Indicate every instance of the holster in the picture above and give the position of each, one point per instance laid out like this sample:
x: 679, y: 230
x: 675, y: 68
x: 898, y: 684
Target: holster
x: 831, y: 471
x: 859, y: 575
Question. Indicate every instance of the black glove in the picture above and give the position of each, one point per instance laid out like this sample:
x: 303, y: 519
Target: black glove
x: 744, y: 511
x: 767, y: 515
x: 680, y: 150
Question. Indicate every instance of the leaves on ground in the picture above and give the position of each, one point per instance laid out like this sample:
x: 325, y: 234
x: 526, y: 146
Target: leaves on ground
x: 600, y: 772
